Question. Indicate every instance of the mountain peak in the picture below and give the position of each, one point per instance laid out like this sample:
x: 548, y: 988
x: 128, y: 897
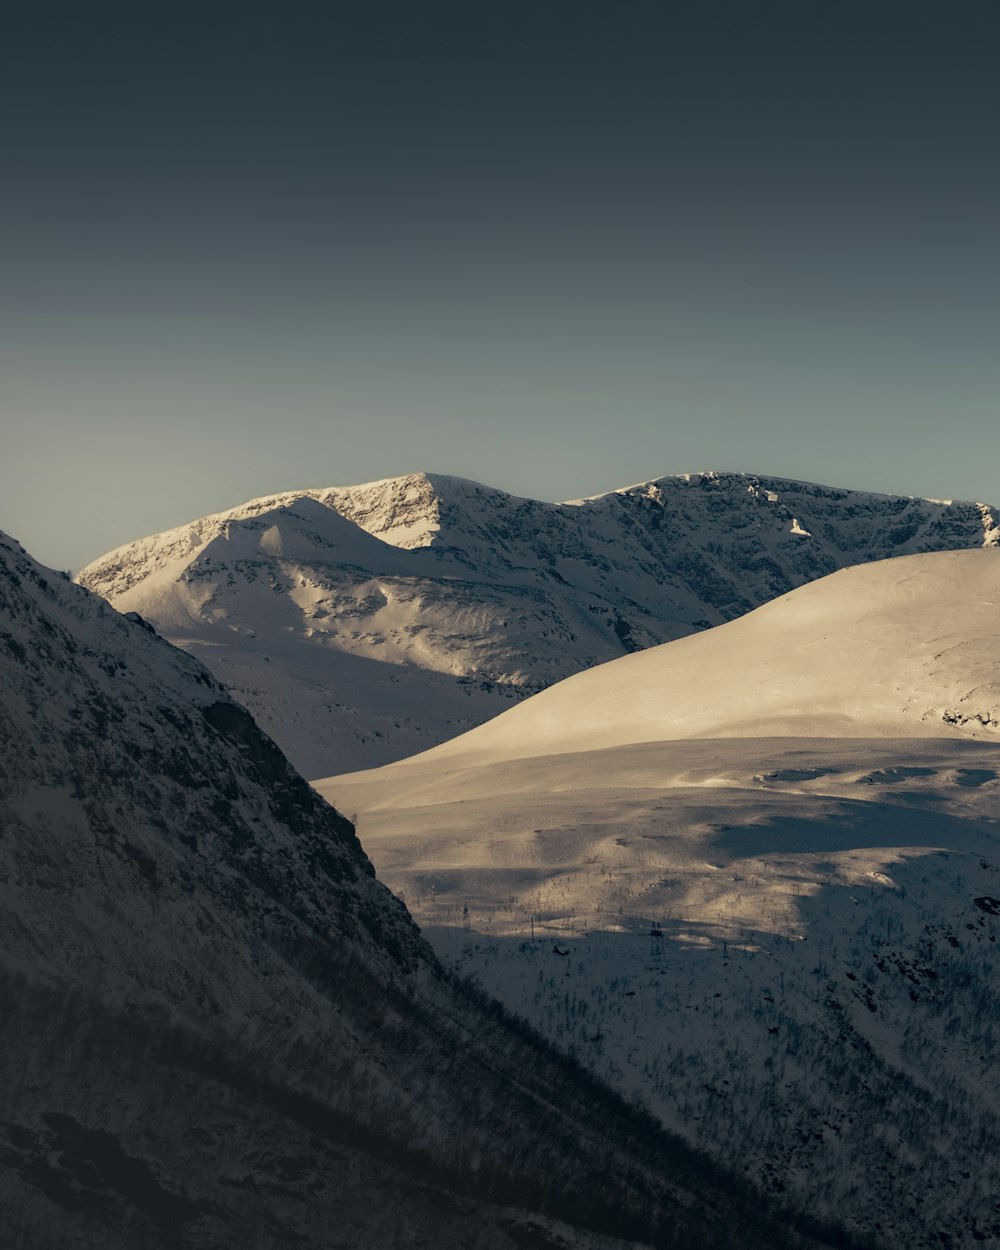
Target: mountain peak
x: 370, y: 622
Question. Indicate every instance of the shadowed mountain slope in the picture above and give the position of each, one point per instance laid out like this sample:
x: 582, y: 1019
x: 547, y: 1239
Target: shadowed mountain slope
x: 219, y: 1029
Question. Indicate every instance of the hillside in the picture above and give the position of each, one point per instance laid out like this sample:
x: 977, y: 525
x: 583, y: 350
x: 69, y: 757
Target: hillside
x: 902, y: 648
x: 753, y: 877
x: 219, y: 1029
x: 363, y: 624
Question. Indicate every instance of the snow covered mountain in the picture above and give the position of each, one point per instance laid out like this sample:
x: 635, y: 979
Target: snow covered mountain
x: 362, y: 624
x: 219, y: 1029
x: 753, y: 876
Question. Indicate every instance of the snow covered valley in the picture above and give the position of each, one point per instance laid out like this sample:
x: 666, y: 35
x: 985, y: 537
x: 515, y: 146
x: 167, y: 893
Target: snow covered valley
x: 753, y: 878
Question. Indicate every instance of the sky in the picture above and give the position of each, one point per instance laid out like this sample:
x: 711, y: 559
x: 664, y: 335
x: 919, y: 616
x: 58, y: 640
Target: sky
x: 554, y: 245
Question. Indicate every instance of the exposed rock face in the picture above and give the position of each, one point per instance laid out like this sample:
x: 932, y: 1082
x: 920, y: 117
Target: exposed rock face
x: 219, y: 1029
x: 362, y: 624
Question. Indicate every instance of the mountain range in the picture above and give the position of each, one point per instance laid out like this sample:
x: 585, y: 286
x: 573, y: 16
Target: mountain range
x: 735, y: 846
x: 362, y: 624
x: 220, y: 1029
x: 752, y: 876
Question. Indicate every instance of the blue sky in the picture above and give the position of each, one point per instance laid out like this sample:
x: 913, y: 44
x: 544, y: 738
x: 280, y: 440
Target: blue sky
x: 557, y: 247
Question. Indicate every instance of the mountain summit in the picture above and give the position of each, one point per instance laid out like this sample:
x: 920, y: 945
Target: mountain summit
x: 362, y: 624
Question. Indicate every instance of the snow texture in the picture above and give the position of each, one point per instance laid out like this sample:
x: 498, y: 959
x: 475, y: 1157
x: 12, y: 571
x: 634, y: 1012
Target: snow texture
x: 363, y: 624
x: 753, y: 878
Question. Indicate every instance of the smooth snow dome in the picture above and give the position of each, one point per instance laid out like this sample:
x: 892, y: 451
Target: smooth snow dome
x: 900, y: 648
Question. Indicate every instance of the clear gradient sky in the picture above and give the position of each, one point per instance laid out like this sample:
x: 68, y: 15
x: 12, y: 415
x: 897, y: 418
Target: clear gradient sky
x: 554, y: 245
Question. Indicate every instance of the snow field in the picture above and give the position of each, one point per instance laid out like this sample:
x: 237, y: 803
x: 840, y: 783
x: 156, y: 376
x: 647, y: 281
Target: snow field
x: 805, y: 805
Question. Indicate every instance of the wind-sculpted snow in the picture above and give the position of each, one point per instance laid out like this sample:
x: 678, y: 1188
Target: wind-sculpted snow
x: 362, y: 624
x: 901, y: 648
x: 218, y: 1028
x: 753, y: 878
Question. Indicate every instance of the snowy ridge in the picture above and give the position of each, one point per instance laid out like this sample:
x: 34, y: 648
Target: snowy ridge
x: 219, y: 1029
x: 428, y: 604
x: 753, y: 877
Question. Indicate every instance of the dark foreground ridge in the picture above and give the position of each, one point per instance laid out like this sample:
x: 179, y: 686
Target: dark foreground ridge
x: 219, y: 1029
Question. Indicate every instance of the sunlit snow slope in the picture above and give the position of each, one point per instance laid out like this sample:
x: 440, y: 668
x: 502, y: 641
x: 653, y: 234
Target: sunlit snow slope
x: 902, y: 648
x: 362, y: 624
x: 754, y: 877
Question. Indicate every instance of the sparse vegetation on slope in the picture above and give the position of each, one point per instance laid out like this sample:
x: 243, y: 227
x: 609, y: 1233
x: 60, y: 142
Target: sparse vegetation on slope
x: 784, y: 945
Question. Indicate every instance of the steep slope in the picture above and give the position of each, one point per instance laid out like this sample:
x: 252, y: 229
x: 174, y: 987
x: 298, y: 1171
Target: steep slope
x: 219, y: 1029
x: 753, y: 876
x: 362, y: 624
